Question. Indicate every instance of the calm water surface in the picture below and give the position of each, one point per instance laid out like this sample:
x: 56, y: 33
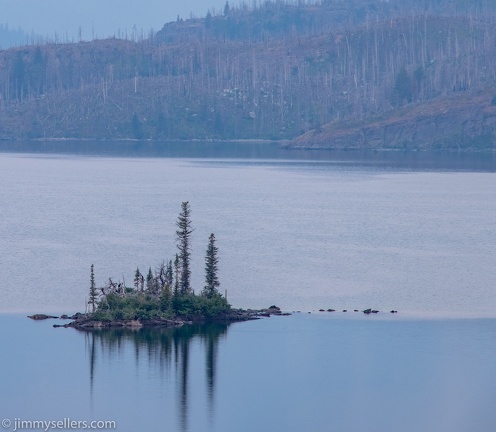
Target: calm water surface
x: 303, y: 230
x: 305, y: 372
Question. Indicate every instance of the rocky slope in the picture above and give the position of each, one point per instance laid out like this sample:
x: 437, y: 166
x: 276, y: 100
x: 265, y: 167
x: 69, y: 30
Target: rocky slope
x: 454, y: 123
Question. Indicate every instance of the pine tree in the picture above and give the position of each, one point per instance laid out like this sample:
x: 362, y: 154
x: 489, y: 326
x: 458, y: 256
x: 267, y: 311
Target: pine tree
x: 211, y: 269
x: 149, y: 280
x: 137, y: 278
x: 169, y: 276
x: 93, y: 291
x: 183, y: 244
x: 137, y: 127
x: 208, y: 20
x: 176, y: 276
x: 402, y: 91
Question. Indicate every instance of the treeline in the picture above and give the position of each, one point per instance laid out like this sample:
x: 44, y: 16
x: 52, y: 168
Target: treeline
x: 271, y: 70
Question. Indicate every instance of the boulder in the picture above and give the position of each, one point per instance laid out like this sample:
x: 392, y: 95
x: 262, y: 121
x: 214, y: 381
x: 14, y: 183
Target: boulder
x: 39, y: 317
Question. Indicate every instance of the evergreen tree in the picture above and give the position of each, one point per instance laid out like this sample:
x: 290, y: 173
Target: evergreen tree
x: 166, y: 299
x: 166, y: 293
x: 402, y: 91
x: 169, y: 277
x: 137, y: 127
x: 137, y: 278
x: 211, y: 268
x: 176, y: 276
x: 183, y: 244
x: 149, y: 279
x: 93, y: 291
x: 208, y: 20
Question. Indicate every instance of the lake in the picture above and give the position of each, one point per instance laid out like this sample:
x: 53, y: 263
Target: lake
x: 304, y: 230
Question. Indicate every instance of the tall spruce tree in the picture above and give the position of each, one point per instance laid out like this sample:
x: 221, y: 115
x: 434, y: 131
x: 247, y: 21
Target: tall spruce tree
x: 93, y: 292
x: 169, y: 275
x: 149, y: 280
x: 137, y: 278
x: 211, y: 269
x: 183, y: 244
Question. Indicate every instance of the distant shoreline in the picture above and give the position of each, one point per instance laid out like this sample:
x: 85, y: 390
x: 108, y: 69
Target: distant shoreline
x: 282, y: 144
x: 134, y: 140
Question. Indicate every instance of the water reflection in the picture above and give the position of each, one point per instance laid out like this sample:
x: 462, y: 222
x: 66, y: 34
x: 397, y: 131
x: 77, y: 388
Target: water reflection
x: 167, y: 349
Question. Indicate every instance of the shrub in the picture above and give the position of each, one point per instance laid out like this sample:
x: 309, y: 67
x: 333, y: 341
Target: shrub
x: 213, y: 306
x: 144, y: 306
x: 102, y: 315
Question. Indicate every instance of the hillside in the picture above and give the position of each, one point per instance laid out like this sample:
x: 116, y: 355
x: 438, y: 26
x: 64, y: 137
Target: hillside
x: 461, y: 122
x: 275, y: 71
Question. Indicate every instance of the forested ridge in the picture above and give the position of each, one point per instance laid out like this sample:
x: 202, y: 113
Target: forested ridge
x: 275, y: 70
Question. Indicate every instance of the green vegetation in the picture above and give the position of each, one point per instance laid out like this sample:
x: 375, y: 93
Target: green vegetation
x: 183, y: 241
x: 211, y: 261
x: 168, y: 293
x: 144, y: 306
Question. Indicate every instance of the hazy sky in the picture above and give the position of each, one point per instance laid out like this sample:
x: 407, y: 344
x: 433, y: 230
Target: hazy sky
x: 46, y: 17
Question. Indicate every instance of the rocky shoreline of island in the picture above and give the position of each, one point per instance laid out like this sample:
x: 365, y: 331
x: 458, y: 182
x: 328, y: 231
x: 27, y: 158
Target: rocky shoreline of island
x: 88, y: 321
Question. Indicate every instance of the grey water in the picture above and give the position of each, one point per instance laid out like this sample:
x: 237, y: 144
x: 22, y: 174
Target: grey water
x: 316, y: 372
x: 304, y: 230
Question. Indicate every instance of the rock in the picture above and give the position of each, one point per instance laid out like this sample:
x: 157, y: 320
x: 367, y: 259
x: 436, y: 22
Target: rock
x: 65, y: 316
x: 85, y: 322
x: 273, y: 310
x: 39, y: 317
x: 134, y: 323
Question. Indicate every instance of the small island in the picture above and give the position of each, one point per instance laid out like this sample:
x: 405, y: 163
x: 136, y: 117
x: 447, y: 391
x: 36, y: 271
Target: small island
x: 165, y: 297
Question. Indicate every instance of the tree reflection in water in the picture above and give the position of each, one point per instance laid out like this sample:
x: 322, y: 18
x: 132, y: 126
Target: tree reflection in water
x: 166, y: 348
